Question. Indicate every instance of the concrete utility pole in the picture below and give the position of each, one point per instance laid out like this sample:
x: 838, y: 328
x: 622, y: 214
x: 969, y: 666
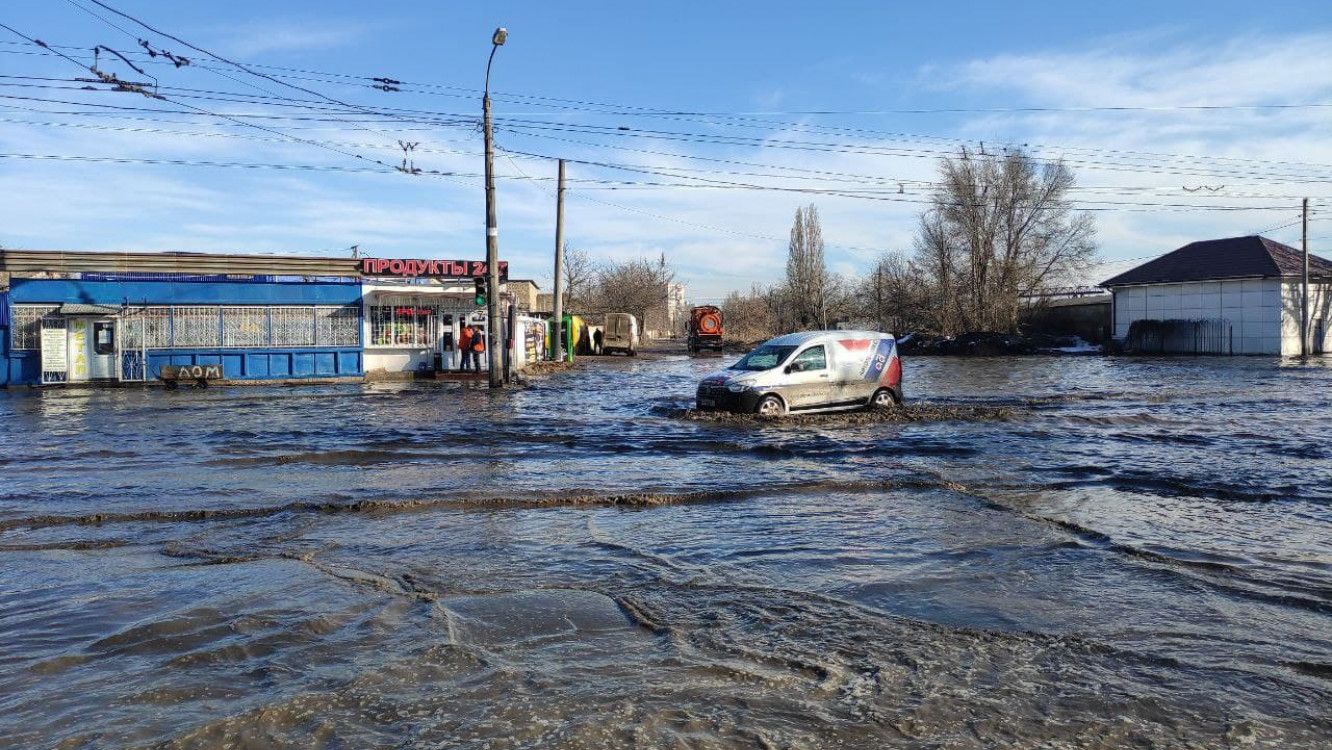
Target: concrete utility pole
x: 492, y: 228
x: 559, y: 267
x: 1304, y: 282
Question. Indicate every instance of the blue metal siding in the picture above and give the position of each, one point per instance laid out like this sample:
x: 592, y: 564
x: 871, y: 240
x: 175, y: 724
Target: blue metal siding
x: 6, y: 374
x: 263, y: 364
x: 24, y: 368
x: 56, y: 291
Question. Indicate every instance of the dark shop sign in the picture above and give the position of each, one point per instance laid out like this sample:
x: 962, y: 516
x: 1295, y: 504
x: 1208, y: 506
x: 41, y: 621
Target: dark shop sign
x: 412, y: 268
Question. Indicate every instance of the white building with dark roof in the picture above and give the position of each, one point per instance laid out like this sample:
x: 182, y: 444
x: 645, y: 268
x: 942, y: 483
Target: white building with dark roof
x: 1240, y: 295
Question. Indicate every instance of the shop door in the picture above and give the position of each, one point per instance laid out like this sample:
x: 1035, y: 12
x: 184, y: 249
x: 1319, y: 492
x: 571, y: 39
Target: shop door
x: 102, y: 350
x: 1319, y: 336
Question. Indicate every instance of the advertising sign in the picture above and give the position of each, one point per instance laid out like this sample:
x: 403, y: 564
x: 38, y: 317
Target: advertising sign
x: 430, y: 269
x: 55, y: 353
x: 78, y: 348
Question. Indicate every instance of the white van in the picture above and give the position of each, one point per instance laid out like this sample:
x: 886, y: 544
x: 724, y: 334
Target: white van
x: 620, y: 334
x: 809, y: 372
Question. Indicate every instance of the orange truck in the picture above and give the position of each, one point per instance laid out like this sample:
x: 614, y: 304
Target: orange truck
x: 705, y: 328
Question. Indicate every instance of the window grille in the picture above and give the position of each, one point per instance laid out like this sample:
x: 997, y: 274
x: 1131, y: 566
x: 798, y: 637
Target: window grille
x: 26, y: 326
x: 157, y: 327
x: 196, y: 326
x: 146, y: 328
x: 338, y: 326
x: 245, y: 326
x: 293, y: 326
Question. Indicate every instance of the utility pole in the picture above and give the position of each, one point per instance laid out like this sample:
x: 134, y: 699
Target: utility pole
x: 1304, y: 282
x: 559, y: 267
x: 492, y: 229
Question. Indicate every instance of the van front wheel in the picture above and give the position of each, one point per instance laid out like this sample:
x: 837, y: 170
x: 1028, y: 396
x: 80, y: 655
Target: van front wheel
x: 883, y: 399
x: 770, y: 406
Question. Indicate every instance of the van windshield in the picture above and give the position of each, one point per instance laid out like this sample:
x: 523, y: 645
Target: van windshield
x: 765, y: 357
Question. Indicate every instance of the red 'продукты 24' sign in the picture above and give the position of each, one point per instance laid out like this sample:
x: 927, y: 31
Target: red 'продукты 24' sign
x: 441, y: 269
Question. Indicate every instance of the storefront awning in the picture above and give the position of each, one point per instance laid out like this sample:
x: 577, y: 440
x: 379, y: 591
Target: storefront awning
x: 79, y: 308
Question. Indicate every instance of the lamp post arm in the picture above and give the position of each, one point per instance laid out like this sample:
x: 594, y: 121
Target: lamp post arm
x: 493, y: 49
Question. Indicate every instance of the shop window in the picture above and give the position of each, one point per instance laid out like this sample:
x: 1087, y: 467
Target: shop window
x: 402, y: 325
x: 104, y: 337
x: 338, y: 326
x: 245, y: 326
x: 293, y: 326
x: 196, y: 327
x: 157, y: 327
x: 26, y: 326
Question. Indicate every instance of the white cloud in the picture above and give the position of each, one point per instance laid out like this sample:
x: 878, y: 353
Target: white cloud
x: 256, y: 39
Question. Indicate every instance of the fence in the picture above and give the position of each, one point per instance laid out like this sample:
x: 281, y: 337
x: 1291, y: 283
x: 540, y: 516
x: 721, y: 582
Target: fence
x: 1210, y: 336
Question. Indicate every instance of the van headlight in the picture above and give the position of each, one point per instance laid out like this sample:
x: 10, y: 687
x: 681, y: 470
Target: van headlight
x: 737, y: 387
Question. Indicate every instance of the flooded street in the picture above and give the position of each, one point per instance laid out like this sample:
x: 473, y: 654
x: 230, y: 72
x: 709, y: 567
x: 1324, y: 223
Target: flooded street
x: 1136, y: 553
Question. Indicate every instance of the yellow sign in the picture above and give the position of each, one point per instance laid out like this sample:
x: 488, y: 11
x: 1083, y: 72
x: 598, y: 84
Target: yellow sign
x: 78, y: 350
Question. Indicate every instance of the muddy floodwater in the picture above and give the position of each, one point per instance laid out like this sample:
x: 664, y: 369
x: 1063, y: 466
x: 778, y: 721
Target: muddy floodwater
x: 1093, y: 553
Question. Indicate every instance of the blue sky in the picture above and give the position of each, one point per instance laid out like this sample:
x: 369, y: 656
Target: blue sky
x: 755, y: 70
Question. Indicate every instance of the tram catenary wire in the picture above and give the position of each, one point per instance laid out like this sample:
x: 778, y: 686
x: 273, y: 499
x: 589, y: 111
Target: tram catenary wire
x: 744, y: 121
x: 586, y: 184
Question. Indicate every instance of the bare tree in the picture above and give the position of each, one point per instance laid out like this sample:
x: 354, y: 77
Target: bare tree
x: 580, y: 272
x: 807, y: 282
x: 639, y: 287
x: 896, y: 297
x: 1000, y: 227
x: 750, y: 316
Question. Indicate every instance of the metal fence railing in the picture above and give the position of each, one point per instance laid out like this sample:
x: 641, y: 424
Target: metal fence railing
x: 1208, y: 336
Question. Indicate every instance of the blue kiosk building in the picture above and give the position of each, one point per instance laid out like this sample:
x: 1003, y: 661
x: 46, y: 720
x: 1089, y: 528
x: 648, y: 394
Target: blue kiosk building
x: 124, y: 317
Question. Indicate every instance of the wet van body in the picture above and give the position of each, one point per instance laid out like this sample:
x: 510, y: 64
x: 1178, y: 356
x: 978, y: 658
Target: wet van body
x: 620, y: 334
x: 809, y: 372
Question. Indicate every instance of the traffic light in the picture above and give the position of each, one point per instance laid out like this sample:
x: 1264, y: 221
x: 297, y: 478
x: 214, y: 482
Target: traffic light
x: 480, y: 291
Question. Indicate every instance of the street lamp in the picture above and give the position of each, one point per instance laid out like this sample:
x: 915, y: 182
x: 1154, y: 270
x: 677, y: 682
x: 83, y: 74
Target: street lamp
x: 492, y: 227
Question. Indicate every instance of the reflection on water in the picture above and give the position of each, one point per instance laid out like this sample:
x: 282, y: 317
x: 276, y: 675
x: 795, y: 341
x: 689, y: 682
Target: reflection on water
x: 1139, y: 554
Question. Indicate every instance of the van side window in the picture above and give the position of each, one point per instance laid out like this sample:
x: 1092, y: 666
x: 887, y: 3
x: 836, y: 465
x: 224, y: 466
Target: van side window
x: 813, y: 358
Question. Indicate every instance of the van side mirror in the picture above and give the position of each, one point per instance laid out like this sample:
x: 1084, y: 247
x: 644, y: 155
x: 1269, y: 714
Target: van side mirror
x: 789, y: 369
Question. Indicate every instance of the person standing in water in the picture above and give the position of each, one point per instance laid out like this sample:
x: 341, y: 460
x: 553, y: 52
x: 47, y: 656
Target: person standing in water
x: 478, y: 348
x: 465, y: 345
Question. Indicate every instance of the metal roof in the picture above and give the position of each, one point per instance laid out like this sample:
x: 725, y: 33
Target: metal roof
x: 28, y: 262
x: 1229, y: 258
x: 79, y: 308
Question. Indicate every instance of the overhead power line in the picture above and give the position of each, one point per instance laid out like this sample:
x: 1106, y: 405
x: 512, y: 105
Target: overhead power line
x: 742, y: 119
x: 295, y: 138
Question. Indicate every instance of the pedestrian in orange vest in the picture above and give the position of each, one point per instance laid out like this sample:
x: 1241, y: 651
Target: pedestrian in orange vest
x: 478, y: 346
x: 465, y: 346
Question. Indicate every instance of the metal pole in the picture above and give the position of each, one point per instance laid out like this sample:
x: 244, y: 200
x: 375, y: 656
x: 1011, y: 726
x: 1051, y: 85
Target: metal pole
x: 492, y: 242
x: 559, y: 267
x: 1304, y: 284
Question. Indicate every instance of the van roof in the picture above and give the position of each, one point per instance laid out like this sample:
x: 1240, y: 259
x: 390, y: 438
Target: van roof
x: 803, y: 337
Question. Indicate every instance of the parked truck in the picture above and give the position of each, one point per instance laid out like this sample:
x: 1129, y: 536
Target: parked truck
x: 705, y: 328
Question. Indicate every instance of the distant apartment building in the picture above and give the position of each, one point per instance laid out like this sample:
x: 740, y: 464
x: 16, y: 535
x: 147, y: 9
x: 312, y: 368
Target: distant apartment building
x: 668, y: 319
